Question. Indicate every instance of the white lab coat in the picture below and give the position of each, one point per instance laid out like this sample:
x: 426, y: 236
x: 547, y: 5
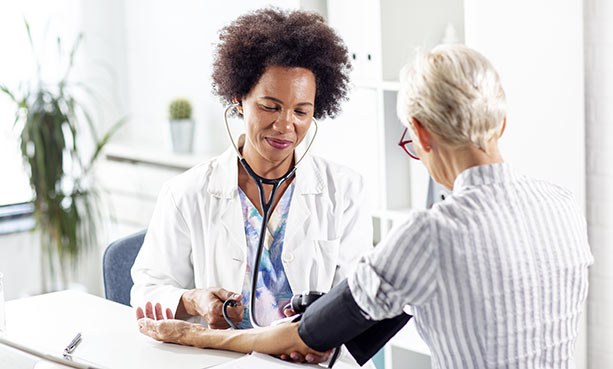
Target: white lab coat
x: 196, y: 236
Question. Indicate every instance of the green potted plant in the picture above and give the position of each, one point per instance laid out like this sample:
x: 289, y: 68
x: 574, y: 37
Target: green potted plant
x: 181, y: 125
x: 52, y: 121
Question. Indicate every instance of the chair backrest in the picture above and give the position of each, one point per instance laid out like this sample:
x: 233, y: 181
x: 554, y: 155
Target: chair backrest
x: 116, y: 264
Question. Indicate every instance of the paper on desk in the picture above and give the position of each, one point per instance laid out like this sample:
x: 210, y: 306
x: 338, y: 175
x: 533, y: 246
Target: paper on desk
x: 261, y: 361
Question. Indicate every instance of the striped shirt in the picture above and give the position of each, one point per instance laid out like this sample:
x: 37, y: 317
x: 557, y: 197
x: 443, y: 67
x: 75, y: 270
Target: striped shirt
x: 496, y: 275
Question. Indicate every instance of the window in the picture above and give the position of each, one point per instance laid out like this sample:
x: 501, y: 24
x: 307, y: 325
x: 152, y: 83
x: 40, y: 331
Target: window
x: 14, y: 186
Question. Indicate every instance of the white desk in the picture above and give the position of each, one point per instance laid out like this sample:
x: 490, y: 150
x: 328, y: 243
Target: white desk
x: 111, y: 339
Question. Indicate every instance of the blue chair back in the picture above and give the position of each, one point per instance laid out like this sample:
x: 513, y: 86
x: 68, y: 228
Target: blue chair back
x: 116, y: 264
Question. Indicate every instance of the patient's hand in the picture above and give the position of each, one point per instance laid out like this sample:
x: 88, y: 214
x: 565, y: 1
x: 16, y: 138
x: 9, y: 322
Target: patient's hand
x: 297, y: 356
x: 283, y: 340
x: 152, y: 323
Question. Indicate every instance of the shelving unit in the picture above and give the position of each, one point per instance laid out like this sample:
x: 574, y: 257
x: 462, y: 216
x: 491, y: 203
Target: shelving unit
x: 131, y: 179
x: 381, y: 37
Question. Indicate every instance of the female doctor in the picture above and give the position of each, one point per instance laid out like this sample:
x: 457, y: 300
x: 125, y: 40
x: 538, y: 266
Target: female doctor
x: 280, y: 70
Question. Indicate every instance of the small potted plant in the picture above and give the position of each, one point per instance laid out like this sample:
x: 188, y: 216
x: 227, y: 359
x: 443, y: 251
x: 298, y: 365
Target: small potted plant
x: 181, y: 125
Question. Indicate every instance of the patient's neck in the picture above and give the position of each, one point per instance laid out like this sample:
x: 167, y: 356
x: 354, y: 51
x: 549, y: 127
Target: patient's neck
x: 457, y: 160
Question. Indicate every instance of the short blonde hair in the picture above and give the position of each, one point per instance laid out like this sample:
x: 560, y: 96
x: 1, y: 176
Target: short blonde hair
x: 454, y: 92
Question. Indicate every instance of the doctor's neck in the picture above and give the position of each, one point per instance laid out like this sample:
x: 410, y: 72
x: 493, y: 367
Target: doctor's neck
x: 265, y: 167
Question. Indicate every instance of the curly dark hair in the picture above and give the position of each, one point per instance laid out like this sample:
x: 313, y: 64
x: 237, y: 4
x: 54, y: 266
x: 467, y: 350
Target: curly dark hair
x: 273, y: 36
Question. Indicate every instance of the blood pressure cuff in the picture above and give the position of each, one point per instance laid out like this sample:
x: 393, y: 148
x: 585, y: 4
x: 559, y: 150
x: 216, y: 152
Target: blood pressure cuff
x: 336, y: 319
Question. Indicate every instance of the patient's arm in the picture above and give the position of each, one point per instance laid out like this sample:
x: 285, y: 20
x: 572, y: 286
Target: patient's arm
x: 282, y: 339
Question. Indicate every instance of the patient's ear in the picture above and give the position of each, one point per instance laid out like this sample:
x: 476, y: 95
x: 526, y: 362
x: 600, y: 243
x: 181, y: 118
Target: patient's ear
x: 423, y: 136
x: 504, y: 126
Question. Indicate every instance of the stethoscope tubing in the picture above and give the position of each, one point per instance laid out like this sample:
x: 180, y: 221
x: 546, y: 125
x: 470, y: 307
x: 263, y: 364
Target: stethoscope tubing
x: 266, y: 206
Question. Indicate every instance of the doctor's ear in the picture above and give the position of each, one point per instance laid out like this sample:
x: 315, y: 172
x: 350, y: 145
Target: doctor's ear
x: 239, y: 105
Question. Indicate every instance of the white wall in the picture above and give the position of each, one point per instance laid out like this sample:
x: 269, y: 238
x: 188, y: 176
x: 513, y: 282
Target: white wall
x: 102, y: 59
x: 537, y: 47
x: 407, y: 24
x: 20, y: 264
x: 599, y: 137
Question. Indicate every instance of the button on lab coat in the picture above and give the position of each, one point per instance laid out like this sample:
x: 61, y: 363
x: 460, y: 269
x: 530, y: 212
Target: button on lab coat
x: 196, y: 237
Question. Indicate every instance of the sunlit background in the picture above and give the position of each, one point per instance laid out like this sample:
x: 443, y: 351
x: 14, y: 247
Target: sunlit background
x: 137, y: 56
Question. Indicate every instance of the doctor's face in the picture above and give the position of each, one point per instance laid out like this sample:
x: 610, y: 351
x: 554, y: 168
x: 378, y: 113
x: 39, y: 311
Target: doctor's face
x: 278, y: 112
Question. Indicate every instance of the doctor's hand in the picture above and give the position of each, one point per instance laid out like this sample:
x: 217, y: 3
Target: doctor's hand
x: 208, y: 304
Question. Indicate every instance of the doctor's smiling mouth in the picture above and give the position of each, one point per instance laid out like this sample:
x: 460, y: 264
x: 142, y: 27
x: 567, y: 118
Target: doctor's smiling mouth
x: 278, y: 143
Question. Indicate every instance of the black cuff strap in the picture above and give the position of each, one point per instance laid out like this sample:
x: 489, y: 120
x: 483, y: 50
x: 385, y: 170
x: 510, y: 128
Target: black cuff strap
x: 336, y: 319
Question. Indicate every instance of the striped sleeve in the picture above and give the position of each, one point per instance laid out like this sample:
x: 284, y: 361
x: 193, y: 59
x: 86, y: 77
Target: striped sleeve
x: 401, y: 270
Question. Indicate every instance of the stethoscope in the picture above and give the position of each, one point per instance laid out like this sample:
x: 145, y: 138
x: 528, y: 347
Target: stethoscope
x: 266, y: 206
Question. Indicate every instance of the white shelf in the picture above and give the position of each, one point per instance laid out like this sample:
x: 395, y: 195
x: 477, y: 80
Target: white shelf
x: 115, y: 152
x: 366, y: 84
x: 378, y: 85
x: 393, y: 215
x: 390, y: 85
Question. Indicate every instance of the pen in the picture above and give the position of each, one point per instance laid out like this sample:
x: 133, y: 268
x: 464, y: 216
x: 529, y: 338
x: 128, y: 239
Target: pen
x: 73, y: 344
x: 50, y: 358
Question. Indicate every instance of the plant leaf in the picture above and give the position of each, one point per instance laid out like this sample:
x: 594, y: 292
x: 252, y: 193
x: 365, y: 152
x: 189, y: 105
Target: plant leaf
x: 32, y: 47
x: 4, y: 89
x: 105, y: 140
x: 73, y: 51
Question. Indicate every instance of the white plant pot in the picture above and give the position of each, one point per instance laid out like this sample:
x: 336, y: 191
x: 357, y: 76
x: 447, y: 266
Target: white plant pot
x: 182, y: 135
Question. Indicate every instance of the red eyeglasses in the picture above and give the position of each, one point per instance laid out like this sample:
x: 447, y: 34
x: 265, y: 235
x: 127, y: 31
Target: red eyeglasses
x: 407, y: 145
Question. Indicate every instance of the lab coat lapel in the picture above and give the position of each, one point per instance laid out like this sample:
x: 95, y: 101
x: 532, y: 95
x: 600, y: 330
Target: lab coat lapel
x: 232, y: 220
x: 308, y: 184
x: 224, y: 187
x: 223, y: 182
x: 296, y: 218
